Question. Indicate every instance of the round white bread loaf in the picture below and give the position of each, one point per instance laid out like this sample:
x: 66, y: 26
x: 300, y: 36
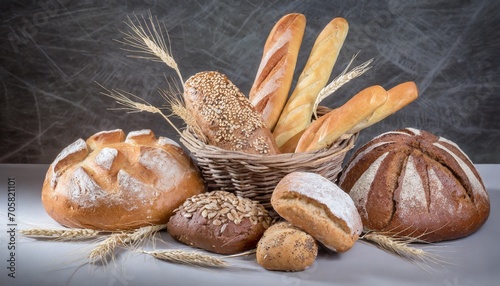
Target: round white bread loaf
x: 416, y: 184
x: 284, y: 247
x: 319, y: 207
x: 219, y: 222
x: 113, y: 182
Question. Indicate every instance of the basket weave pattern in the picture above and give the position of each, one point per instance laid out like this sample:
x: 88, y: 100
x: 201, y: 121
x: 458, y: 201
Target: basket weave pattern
x: 255, y: 176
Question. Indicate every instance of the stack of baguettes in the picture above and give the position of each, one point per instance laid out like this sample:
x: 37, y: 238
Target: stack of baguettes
x: 274, y: 119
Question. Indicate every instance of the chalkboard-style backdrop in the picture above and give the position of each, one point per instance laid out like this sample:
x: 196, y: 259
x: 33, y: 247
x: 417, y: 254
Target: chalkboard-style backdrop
x: 55, y: 53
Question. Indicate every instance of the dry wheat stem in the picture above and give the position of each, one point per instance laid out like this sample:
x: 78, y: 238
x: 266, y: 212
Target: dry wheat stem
x: 105, y: 249
x: 148, y: 41
x: 399, y: 245
x: 61, y: 234
x: 125, y: 99
x: 187, y: 257
x: 343, y: 78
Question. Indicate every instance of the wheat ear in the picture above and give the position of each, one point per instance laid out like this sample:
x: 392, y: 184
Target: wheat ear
x: 343, y: 78
x: 399, y: 245
x: 146, y: 39
x: 60, y: 234
x: 105, y: 249
x: 187, y: 257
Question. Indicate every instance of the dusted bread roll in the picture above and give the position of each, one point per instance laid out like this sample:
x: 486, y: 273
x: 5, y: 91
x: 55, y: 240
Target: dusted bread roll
x: 219, y: 222
x: 284, y: 247
x: 414, y: 183
x: 319, y: 207
x: 225, y: 116
x: 274, y: 77
x: 113, y: 182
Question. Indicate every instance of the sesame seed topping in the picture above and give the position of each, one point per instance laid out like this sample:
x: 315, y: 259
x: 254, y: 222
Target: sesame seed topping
x: 226, y: 116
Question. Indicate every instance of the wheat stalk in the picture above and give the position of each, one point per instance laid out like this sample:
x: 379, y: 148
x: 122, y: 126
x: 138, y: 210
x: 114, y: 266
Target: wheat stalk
x: 106, y: 248
x: 147, y: 40
x: 60, y: 234
x: 343, y: 78
x: 187, y: 257
x: 125, y: 99
x: 400, y: 246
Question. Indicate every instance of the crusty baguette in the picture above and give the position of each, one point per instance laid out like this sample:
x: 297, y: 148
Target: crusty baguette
x: 397, y: 98
x: 274, y: 77
x: 328, y: 128
x: 225, y: 115
x: 296, y: 115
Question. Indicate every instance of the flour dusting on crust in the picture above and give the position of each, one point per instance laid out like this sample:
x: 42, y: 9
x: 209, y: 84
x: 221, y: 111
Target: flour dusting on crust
x: 359, y: 192
x: 106, y: 157
x: 320, y: 189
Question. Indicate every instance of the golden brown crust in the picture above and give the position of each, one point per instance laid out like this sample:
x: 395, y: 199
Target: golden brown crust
x: 225, y: 115
x: 219, y: 222
x: 274, y: 77
x: 397, y: 98
x: 298, y: 111
x: 328, y: 128
x: 284, y: 247
x: 111, y: 182
x: 316, y: 205
x: 417, y: 184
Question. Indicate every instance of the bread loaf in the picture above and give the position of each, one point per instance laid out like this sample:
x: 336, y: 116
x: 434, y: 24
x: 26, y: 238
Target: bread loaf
x: 414, y: 183
x: 397, y: 98
x: 226, y: 116
x: 219, y: 222
x: 113, y: 182
x: 329, y: 127
x: 271, y: 86
x: 284, y: 247
x: 320, y: 208
x: 298, y: 111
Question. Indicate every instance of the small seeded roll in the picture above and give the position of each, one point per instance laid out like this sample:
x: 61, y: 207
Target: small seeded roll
x: 319, y: 207
x: 285, y: 247
x: 219, y: 222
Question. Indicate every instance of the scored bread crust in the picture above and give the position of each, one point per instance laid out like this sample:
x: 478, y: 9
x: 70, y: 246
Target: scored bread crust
x: 225, y: 115
x: 416, y: 184
x: 116, y: 182
x: 273, y: 80
x: 316, y: 205
x: 298, y: 111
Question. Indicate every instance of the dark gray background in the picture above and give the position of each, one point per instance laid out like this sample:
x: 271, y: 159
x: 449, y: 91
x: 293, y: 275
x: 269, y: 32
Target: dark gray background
x: 54, y: 52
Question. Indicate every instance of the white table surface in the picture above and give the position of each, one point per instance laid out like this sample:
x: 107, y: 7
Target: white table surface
x: 474, y: 260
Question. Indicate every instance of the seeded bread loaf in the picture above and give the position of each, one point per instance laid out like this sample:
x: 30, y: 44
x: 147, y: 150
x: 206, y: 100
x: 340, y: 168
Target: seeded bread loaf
x: 414, y: 183
x: 225, y: 116
x: 284, y: 247
x: 316, y: 205
x: 274, y: 77
x: 117, y: 182
x: 219, y: 222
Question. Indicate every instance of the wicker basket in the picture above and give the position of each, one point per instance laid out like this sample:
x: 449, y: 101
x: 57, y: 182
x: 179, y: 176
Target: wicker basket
x: 255, y: 176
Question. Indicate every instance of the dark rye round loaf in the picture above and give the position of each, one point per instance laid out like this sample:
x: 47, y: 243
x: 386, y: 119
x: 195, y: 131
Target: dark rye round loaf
x: 416, y: 184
